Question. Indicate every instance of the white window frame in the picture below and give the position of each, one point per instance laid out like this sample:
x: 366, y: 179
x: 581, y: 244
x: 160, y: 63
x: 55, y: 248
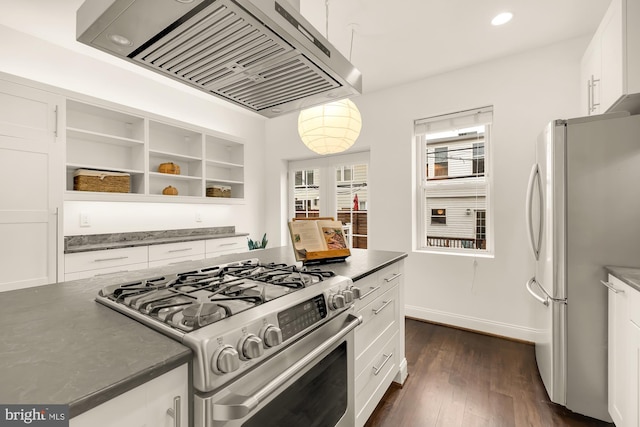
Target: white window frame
x: 460, y: 120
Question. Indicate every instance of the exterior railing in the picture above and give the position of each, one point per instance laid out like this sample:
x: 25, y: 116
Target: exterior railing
x: 456, y: 242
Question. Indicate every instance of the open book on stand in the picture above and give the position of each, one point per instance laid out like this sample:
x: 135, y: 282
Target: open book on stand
x: 318, y: 240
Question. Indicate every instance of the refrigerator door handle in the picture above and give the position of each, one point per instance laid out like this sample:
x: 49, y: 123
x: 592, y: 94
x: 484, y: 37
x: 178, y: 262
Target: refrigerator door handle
x: 534, y: 178
x: 547, y: 298
x: 543, y: 300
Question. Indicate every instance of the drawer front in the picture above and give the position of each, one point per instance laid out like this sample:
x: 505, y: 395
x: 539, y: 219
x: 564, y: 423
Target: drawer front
x: 226, y: 245
x: 100, y: 260
x: 369, y: 291
x: 104, y: 271
x: 389, y: 276
x: 175, y: 250
x: 174, y: 261
x: 377, y: 317
x: 375, y: 379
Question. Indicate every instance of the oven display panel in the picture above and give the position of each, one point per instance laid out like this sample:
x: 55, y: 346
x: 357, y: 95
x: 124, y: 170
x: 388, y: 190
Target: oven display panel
x: 299, y: 317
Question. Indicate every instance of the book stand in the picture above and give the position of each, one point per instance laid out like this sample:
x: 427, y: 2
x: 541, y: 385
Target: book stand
x: 318, y: 257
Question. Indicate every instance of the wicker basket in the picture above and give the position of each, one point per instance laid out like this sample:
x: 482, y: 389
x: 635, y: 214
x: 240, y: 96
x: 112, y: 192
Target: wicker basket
x: 103, y: 181
x: 218, y: 191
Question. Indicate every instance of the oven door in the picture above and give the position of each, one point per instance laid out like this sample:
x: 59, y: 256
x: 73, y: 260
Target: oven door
x: 310, y: 383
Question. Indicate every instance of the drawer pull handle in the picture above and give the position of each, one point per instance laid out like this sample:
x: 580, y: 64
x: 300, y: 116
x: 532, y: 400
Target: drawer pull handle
x: 110, y: 259
x: 112, y: 272
x: 384, y: 304
x: 180, y: 262
x: 229, y: 244
x: 180, y: 250
x: 392, y: 278
x: 370, y: 292
x: 376, y: 371
x: 175, y: 412
x: 610, y: 286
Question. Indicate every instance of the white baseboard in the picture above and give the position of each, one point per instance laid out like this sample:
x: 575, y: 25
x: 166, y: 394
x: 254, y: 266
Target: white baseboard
x: 473, y: 323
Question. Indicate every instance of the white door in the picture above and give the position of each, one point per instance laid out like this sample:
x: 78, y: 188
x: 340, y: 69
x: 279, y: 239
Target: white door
x: 31, y: 186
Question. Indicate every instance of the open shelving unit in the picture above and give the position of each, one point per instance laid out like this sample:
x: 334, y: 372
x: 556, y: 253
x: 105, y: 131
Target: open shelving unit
x: 136, y: 143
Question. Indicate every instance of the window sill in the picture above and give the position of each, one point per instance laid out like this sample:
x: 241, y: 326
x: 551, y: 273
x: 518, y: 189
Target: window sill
x: 455, y: 252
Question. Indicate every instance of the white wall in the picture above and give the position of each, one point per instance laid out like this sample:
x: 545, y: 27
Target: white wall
x: 35, y: 59
x: 526, y: 91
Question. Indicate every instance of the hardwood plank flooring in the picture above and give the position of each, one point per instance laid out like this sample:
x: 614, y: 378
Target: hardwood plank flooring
x: 461, y: 378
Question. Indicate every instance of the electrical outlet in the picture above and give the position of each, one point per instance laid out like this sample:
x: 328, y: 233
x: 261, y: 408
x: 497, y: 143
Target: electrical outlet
x: 84, y: 219
x: 198, y: 217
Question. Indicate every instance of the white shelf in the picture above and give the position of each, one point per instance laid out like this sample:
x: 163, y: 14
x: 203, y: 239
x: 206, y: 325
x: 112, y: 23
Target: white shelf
x: 102, y: 137
x: 112, y: 139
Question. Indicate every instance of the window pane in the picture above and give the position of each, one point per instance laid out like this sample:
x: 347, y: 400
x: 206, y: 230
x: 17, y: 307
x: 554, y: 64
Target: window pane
x: 306, y: 194
x: 454, y: 206
x: 351, y: 195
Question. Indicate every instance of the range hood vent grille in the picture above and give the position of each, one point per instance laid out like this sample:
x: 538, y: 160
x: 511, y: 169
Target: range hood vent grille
x: 222, y: 49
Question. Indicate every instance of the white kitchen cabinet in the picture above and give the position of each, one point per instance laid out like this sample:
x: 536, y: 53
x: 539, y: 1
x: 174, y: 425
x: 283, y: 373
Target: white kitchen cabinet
x: 174, y: 253
x: 31, y: 149
x: 610, y: 67
x: 115, y: 138
x: 225, y: 245
x: 154, y: 403
x: 379, y: 351
x: 618, y: 326
x: 81, y: 265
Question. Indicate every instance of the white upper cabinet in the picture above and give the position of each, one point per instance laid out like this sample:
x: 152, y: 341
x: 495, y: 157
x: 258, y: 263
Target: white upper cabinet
x: 610, y: 67
x: 207, y: 166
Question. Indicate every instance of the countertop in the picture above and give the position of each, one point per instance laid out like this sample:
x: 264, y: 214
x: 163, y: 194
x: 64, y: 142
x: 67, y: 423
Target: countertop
x: 98, y: 242
x: 629, y: 275
x: 59, y: 346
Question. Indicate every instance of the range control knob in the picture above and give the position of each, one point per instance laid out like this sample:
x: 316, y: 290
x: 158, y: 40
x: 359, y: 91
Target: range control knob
x: 336, y: 302
x: 250, y: 347
x: 225, y: 360
x: 271, y: 335
x: 355, y: 291
x: 348, y: 296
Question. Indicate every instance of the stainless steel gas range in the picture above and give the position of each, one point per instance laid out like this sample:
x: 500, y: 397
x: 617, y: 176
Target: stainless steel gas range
x: 272, y: 343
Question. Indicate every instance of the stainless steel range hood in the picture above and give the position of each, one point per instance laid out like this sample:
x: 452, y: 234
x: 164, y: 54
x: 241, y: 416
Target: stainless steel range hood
x: 260, y: 54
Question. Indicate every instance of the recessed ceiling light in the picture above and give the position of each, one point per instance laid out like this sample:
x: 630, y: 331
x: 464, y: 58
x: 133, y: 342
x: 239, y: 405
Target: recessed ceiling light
x: 502, y: 18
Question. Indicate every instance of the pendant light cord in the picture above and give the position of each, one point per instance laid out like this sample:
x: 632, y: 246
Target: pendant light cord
x: 353, y: 29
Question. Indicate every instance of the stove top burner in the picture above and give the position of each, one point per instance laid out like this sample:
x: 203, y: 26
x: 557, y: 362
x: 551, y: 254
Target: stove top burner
x: 190, y: 300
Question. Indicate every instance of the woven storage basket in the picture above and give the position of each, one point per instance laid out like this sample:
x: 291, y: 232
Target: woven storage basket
x: 218, y: 191
x: 103, y: 181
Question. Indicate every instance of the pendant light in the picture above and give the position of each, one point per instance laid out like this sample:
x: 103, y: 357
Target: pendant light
x: 333, y: 127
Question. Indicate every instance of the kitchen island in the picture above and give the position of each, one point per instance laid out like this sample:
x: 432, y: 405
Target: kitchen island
x: 59, y: 346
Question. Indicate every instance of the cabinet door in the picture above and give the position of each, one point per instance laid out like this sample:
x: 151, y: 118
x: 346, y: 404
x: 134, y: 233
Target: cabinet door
x: 152, y: 404
x: 590, y: 76
x: 31, y: 191
x: 612, y: 40
x: 618, y: 321
x: 633, y: 374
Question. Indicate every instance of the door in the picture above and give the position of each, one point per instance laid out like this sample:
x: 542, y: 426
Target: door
x: 31, y: 191
x: 545, y: 223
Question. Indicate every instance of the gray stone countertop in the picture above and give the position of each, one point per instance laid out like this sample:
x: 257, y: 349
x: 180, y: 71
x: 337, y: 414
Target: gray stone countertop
x: 59, y: 346
x: 629, y: 275
x: 98, y: 242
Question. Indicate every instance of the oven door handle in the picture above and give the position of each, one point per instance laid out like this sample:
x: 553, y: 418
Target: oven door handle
x: 235, y: 406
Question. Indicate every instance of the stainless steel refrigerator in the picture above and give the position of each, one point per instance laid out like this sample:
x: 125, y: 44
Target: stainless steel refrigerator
x: 583, y: 213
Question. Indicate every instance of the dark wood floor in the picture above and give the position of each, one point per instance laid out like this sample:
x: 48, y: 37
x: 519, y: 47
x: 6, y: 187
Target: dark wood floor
x: 461, y: 378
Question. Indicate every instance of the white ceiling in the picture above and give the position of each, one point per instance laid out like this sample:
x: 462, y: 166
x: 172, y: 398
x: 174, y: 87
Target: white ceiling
x: 394, y: 42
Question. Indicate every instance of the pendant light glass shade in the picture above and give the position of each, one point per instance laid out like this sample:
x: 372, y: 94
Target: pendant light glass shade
x: 330, y: 128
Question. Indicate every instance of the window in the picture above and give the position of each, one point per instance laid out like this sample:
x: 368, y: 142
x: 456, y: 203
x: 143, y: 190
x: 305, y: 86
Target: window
x: 306, y: 194
x: 335, y: 186
x: 439, y: 216
x: 441, y: 161
x: 478, y: 158
x: 453, y: 206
